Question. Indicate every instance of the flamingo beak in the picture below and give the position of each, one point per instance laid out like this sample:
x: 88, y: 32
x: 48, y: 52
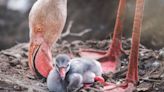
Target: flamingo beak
x: 62, y: 72
x: 40, y: 60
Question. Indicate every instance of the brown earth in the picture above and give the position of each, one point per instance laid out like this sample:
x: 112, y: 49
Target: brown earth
x: 16, y: 77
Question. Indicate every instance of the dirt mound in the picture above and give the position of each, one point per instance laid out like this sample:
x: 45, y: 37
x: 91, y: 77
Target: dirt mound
x: 15, y: 75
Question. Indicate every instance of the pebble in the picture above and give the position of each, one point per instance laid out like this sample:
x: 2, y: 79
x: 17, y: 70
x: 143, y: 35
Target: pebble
x: 156, y: 64
x: 161, y: 54
x: 14, y: 62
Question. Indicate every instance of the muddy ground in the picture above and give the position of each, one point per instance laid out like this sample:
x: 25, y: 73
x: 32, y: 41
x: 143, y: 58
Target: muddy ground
x: 16, y: 77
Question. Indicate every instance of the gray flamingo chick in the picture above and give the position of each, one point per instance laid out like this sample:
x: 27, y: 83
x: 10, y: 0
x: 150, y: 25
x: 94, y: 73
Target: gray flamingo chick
x: 82, y: 71
x: 56, y: 78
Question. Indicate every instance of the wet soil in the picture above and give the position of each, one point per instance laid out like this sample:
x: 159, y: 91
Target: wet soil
x: 15, y: 75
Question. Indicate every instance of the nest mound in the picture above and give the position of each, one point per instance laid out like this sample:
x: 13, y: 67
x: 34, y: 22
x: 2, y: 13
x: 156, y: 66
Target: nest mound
x: 15, y: 75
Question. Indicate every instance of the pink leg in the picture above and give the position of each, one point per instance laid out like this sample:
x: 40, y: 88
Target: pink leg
x: 132, y: 74
x: 109, y: 59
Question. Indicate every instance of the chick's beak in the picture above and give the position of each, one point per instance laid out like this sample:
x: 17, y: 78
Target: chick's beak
x: 62, y: 72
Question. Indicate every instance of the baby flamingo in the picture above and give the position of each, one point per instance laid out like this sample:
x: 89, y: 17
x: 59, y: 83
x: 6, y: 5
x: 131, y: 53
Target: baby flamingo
x: 83, y: 71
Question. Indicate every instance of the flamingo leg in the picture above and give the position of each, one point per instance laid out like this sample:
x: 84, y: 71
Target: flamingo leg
x: 109, y: 59
x: 132, y: 74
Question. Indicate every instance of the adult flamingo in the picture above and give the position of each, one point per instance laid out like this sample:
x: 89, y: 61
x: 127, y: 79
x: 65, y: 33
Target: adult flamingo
x: 46, y: 20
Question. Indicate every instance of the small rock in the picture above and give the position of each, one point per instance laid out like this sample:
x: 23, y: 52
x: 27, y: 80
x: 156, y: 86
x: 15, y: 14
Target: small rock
x: 24, y: 62
x: 18, y: 66
x: 161, y: 54
x: 144, y: 87
x: 156, y: 89
x: 77, y: 42
x: 142, y: 73
x: 162, y: 76
x: 17, y: 88
x: 25, y: 55
x: 14, y: 62
x: 18, y: 56
x: 156, y: 64
x: 31, y: 77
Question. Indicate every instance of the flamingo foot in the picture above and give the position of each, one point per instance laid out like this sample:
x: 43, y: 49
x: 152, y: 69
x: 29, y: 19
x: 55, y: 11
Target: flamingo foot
x: 109, y: 62
x: 125, y: 87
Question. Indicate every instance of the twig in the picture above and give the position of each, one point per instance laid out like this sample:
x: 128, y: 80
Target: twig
x: 107, y: 89
x: 151, y: 80
x: 120, y: 72
x: 10, y: 54
x: 161, y: 73
x: 94, y: 89
x: 153, y: 71
x: 81, y: 33
x: 70, y: 52
x: 68, y: 31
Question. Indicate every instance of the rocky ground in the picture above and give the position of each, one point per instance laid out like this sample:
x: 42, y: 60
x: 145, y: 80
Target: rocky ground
x: 16, y: 77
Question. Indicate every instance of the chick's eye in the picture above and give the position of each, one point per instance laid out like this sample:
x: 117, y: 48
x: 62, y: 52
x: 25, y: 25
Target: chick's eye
x: 57, y: 66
